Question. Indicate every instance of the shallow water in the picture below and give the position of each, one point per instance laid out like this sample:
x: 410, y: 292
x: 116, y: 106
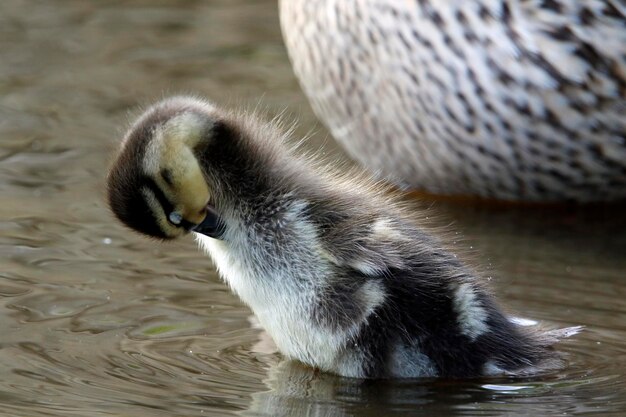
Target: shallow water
x: 96, y: 321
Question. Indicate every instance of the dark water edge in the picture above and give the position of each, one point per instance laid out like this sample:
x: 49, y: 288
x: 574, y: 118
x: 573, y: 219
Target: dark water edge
x: 96, y: 321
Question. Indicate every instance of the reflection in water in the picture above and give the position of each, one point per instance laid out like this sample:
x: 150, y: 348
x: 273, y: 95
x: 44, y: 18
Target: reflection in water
x: 296, y: 390
x: 97, y: 321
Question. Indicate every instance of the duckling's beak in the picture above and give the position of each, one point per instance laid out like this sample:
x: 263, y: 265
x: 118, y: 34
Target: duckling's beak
x: 211, y: 226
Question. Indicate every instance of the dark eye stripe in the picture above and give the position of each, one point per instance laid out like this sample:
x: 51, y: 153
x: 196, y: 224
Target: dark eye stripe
x: 165, y: 203
x: 166, y: 174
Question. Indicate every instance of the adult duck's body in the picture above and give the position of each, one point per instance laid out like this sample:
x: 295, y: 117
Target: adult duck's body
x: 515, y: 100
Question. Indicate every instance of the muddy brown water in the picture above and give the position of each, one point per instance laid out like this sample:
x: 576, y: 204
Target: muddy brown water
x: 96, y: 321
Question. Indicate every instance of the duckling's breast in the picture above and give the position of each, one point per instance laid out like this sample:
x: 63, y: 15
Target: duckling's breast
x: 282, y: 287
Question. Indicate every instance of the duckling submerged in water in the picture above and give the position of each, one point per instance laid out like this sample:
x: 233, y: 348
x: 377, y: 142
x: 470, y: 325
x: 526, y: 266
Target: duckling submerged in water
x: 337, y: 273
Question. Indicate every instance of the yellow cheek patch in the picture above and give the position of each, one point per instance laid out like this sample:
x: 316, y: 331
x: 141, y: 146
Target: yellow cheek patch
x: 193, y: 191
x: 188, y: 189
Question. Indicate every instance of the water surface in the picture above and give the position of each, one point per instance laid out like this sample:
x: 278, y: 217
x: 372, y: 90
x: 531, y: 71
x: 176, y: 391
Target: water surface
x: 96, y: 321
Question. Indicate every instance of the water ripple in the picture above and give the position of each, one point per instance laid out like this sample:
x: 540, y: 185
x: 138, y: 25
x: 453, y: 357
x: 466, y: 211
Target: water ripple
x: 97, y: 321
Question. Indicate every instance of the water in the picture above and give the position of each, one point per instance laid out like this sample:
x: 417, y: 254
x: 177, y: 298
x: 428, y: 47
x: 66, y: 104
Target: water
x: 96, y: 321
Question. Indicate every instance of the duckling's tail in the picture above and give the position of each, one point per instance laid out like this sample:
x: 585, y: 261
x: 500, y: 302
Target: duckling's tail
x: 551, y: 337
x: 546, y: 357
x: 548, y: 337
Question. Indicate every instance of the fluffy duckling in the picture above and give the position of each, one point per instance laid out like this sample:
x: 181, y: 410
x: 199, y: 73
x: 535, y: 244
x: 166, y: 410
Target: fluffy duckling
x: 337, y: 273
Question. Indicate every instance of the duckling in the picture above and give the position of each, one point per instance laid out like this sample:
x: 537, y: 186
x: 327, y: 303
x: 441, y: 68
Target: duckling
x: 512, y: 100
x: 336, y: 271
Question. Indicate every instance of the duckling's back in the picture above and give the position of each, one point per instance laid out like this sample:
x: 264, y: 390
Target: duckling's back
x: 433, y: 317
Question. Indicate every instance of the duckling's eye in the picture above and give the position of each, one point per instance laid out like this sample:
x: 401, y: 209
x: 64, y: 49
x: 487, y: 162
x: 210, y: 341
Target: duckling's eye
x: 166, y: 174
x: 175, y: 218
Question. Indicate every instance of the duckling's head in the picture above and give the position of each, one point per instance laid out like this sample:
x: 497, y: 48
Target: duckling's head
x: 157, y: 186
